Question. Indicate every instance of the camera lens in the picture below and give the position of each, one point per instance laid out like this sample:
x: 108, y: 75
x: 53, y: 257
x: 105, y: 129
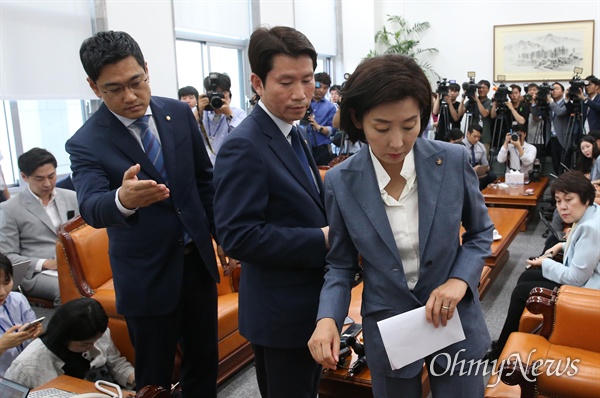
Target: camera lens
x: 216, y: 102
x: 514, y: 137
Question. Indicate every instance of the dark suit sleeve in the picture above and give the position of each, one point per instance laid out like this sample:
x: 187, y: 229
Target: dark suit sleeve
x: 96, y: 199
x: 477, y: 239
x: 251, y: 226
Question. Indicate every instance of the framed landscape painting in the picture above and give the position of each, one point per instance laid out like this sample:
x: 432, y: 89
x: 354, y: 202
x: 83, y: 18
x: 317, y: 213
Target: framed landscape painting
x: 543, y: 51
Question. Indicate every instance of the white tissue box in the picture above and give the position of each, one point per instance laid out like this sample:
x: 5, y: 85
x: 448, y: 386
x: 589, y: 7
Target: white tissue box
x: 514, y: 178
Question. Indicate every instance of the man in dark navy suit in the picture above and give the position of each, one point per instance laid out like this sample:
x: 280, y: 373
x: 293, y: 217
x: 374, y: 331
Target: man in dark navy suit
x: 270, y: 215
x: 141, y: 171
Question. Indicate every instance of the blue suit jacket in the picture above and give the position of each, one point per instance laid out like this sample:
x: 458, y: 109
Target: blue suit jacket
x: 146, y: 249
x: 581, y: 262
x: 448, y: 196
x: 591, y: 111
x: 269, y: 217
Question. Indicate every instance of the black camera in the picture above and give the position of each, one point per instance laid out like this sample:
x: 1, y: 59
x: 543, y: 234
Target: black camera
x: 470, y: 88
x: 304, y: 120
x: 577, y: 85
x: 535, y: 174
x: 501, y: 95
x: 542, y: 96
x: 442, y: 88
x: 215, y: 98
x: 514, y: 134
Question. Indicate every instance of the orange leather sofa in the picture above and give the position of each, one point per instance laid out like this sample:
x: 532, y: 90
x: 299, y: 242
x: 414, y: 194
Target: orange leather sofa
x: 567, y: 348
x: 84, y: 271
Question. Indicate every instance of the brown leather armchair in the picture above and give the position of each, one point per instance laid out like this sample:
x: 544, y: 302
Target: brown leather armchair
x: 84, y: 271
x: 567, y: 350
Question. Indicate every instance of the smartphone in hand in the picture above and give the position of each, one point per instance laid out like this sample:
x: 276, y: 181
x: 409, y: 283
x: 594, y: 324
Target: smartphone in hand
x: 33, y: 323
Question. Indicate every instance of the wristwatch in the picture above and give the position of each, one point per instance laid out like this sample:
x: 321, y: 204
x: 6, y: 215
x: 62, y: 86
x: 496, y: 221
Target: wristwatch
x: 320, y: 129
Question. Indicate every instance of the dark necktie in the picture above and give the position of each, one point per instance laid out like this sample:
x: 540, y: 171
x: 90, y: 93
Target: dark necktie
x: 473, y: 162
x: 297, y: 146
x: 152, y: 147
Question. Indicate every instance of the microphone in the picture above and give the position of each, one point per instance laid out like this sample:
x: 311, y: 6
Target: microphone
x: 70, y: 214
x: 358, y: 366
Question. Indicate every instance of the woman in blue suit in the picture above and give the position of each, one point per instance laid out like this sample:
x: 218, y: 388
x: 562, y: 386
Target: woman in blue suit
x: 574, y: 196
x: 400, y: 202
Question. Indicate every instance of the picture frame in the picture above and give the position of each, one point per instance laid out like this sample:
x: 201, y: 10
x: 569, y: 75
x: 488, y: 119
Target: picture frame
x: 543, y: 51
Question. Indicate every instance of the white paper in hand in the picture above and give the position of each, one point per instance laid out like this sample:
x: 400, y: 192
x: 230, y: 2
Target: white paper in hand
x: 408, y: 337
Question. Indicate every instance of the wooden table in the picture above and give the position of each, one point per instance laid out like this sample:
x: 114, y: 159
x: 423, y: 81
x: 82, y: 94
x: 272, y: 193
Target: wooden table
x: 508, y: 222
x: 515, y: 196
x: 72, y: 384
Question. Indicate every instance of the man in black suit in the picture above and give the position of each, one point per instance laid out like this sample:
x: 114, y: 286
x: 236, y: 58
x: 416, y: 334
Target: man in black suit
x: 141, y: 171
x: 270, y: 215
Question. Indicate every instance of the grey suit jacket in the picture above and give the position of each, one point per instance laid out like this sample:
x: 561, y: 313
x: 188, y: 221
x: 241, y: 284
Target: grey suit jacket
x: 28, y: 232
x: 448, y: 196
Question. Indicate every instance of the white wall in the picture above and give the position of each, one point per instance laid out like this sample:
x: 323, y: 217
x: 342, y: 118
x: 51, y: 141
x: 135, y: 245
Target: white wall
x: 463, y: 31
x: 150, y: 23
x: 358, y: 28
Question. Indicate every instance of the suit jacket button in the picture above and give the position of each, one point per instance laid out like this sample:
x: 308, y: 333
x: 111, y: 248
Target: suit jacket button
x: 181, y: 242
x: 178, y: 211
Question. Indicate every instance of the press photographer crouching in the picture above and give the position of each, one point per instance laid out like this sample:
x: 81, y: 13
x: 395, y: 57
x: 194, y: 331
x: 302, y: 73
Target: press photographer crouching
x: 519, y: 153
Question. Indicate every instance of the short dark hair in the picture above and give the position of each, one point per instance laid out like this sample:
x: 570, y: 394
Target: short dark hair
x: 576, y: 182
x: 454, y: 86
x: 266, y: 43
x: 188, y: 90
x: 455, y: 134
x: 6, y: 266
x: 521, y: 127
x: 379, y: 80
x: 34, y: 158
x: 561, y: 86
x: 323, y: 78
x: 486, y: 82
x: 532, y: 85
x: 595, y: 134
x: 76, y: 320
x: 474, y: 126
x: 105, y: 48
x: 335, y: 87
x: 223, y: 82
x: 513, y: 86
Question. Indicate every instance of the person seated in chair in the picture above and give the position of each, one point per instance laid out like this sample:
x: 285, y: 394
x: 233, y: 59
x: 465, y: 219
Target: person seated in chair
x: 478, y: 155
x: 78, y: 344
x: 519, y: 153
x: 15, y: 315
x: 29, y: 223
x: 574, y: 196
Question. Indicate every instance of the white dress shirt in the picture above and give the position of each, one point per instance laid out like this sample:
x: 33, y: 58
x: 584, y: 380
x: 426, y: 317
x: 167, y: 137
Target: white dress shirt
x: 52, y: 211
x: 403, y: 215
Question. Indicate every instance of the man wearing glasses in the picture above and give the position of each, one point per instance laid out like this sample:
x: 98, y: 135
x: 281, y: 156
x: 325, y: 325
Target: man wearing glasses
x: 141, y: 171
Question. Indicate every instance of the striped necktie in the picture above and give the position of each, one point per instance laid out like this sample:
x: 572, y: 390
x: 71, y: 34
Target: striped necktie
x: 152, y: 147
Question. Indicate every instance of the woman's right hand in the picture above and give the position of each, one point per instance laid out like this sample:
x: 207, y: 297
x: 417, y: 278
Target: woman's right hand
x: 324, y: 344
x: 13, y: 337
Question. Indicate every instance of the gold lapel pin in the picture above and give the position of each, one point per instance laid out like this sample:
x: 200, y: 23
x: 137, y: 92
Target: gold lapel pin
x: 439, y: 161
x: 168, y: 118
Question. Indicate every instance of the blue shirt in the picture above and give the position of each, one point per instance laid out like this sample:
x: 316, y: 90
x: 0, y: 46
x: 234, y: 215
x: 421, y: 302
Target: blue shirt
x: 323, y: 111
x: 15, y: 311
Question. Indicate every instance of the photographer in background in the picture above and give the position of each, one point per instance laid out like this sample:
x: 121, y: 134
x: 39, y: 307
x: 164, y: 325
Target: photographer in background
x: 335, y: 95
x: 517, y: 151
x: 556, y: 128
x: 219, y: 117
x: 591, y: 110
x: 446, y: 99
x: 478, y: 155
x: 320, y: 126
x: 481, y: 110
x: 519, y: 111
